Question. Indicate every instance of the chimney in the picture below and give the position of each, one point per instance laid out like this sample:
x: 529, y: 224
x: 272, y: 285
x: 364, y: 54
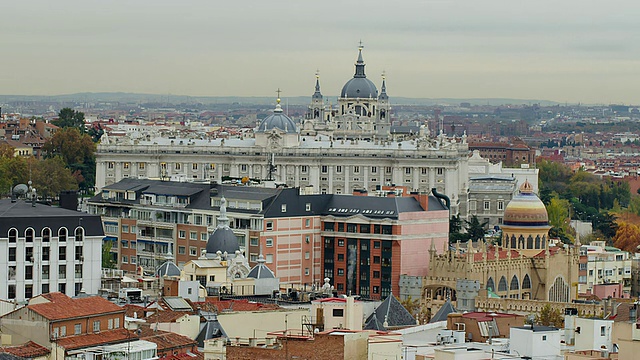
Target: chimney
x: 69, y: 200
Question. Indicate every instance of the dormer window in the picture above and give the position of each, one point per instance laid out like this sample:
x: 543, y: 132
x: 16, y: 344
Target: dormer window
x: 307, y: 207
x: 283, y: 208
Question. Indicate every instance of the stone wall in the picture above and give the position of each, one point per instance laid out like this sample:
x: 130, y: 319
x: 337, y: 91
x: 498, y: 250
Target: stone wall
x: 525, y: 307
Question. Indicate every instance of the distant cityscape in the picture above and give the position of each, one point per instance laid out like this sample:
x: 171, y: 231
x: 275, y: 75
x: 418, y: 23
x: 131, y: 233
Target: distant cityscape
x: 357, y: 226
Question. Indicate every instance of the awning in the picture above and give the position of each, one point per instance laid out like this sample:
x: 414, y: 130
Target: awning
x: 110, y: 238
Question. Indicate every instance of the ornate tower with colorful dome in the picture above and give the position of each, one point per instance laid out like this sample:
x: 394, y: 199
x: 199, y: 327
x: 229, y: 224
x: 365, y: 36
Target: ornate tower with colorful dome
x: 526, y: 223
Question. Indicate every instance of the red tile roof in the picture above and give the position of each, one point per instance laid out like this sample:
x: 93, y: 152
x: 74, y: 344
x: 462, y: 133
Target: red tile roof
x: 132, y: 310
x: 27, y: 350
x: 166, y: 340
x: 166, y: 316
x: 63, y: 307
x: 101, y: 338
x: 184, y: 356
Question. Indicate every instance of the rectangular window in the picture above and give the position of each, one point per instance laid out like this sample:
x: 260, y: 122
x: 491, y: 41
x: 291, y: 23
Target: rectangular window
x: 307, y: 255
x: 500, y: 205
x: 182, y: 234
x: 63, y: 331
x: 340, y: 242
x: 45, y: 273
x: 125, y: 243
x: 340, y: 272
x: 356, y: 169
x: 193, y: 251
x: 110, y: 324
x: 12, y: 254
x: 96, y: 326
x: 193, y: 235
x: 28, y: 254
x: 254, y: 241
x: 407, y: 171
x: 182, y: 250
x: 376, y: 259
x: 45, y: 254
x: 79, y: 253
x: 116, y: 324
x: 340, y: 257
x: 440, y: 171
x: 306, y: 271
x: 603, y: 331
x: 487, y: 205
x: 307, y: 207
x: 376, y: 274
x: 141, y: 166
x: 11, y: 291
x: 283, y: 208
x: 304, y: 169
x: 62, y: 253
x: 77, y: 329
x: 269, y: 242
x: 204, y: 236
x: 374, y: 169
x: 125, y: 259
x: 125, y: 228
x: 269, y: 258
x: 28, y: 272
x: 338, y: 313
x: 62, y: 272
x: 339, y: 169
x: 324, y: 169
x: 269, y: 225
x: 78, y: 271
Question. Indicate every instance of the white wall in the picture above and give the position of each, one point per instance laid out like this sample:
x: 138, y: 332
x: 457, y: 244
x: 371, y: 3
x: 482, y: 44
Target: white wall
x: 535, y: 344
x: 594, y: 333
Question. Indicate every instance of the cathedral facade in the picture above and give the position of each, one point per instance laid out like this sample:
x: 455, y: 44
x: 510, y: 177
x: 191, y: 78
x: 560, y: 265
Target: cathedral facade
x: 332, y: 150
x: 525, y: 265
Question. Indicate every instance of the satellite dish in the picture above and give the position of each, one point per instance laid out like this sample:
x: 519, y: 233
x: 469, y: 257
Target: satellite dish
x: 20, y: 189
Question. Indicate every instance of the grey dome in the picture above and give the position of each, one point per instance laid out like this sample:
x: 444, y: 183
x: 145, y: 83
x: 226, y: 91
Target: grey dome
x: 278, y: 120
x: 359, y: 87
x: 223, y: 240
x: 261, y: 271
x: 168, y: 268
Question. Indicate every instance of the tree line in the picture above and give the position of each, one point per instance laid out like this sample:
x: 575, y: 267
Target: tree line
x: 68, y: 163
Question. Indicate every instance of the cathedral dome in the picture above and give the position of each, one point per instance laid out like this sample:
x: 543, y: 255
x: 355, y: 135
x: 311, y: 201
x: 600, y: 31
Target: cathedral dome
x: 278, y: 120
x: 359, y: 88
x: 526, y: 209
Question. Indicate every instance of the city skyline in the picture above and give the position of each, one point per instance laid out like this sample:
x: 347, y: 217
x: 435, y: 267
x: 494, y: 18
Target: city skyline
x: 565, y: 52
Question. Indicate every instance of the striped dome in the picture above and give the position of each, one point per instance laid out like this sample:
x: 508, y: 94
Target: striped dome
x: 526, y: 209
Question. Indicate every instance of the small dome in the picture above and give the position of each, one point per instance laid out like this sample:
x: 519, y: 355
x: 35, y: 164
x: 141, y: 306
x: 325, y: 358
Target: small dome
x: 168, y: 268
x: 223, y: 240
x: 526, y: 209
x: 278, y: 120
x: 359, y: 87
x: 261, y: 271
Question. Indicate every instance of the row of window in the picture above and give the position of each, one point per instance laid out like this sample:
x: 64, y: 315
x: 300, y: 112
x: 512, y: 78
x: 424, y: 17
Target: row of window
x: 29, y: 234
x: 358, y: 228
x: 193, y: 235
x: 46, y: 253
x: 486, y: 205
x: 44, y: 272
x: 61, y: 331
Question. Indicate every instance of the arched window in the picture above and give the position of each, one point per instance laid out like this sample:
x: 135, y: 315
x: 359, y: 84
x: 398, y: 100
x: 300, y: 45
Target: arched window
x: 526, y: 282
x: 530, y: 242
x: 502, y: 285
x: 28, y: 235
x: 515, y: 285
x: 13, y: 235
x: 62, y: 235
x: 521, y: 242
x: 559, y: 291
x: 513, y: 242
x: 79, y: 234
x: 491, y: 286
x: 538, y: 242
x: 46, y: 234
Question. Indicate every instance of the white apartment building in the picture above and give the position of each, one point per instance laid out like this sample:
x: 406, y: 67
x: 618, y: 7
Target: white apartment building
x: 605, y: 265
x: 47, y: 249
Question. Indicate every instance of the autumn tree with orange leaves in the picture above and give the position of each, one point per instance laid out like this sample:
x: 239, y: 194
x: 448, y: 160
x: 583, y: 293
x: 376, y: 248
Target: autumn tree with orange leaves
x: 627, y: 237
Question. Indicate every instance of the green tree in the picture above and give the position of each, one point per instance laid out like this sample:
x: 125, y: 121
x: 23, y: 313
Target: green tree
x: 475, y: 229
x: 108, y: 262
x: 50, y: 176
x: 455, y: 230
x: 69, y: 118
x: 78, y: 152
x: 418, y: 310
x: 549, y: 317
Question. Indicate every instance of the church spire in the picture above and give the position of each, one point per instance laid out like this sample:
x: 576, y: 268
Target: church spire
x: 317, y: 94
x: 383, y: 89
x: 360, y: 63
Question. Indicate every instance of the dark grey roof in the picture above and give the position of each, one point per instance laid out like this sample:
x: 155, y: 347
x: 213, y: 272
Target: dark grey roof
x: 345, y: 205
x: 359, y: 87
x: 224, y: 240
x: 391, y: 312
x: 442, y: 314
x: 22, y: 215
x: 261, y: 271
x: 537, y: 328
x: 210, y: 328
x: 493, y: 178
x: 175, y: 188
x: 168, y: 268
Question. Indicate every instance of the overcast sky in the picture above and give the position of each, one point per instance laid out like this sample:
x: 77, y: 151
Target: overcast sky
x: 562, y: 50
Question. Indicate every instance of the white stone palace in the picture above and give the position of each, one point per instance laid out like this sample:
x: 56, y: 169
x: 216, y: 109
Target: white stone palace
x: 333, y: 150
